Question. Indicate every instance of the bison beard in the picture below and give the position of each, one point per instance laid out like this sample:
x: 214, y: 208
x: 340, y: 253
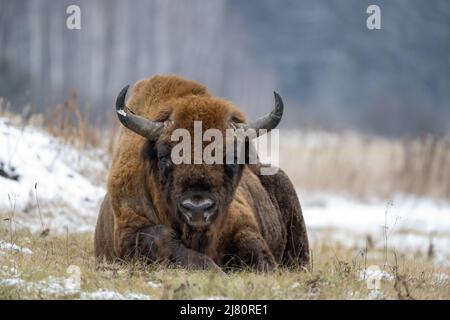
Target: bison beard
x: 196, y: 216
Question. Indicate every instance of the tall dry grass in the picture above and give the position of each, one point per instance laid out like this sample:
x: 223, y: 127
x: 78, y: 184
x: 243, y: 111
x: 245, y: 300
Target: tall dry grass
x: 367, y: 166
x: 67, y: 121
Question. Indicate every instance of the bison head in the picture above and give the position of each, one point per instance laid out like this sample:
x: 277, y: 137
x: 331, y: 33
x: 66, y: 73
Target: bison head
x: 195, y: 195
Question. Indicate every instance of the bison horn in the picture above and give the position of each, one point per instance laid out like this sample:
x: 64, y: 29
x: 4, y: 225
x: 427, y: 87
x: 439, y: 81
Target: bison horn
x: 144, y: 127
x: 269, y: 121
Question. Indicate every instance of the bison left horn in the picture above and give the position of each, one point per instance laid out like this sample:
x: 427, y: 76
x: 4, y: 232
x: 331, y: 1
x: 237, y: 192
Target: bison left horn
x: 147, y: 128
x: 269, y: 121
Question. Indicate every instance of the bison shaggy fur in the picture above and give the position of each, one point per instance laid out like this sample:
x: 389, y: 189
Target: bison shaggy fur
x: 257, y: 220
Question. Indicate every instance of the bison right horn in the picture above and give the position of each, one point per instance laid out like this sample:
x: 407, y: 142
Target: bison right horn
x: 269, y: 121
x: 147, y: 128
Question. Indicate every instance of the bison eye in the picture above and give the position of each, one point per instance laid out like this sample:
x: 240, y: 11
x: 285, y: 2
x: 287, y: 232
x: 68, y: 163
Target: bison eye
x: 165, y: 161
x: 165, y: 167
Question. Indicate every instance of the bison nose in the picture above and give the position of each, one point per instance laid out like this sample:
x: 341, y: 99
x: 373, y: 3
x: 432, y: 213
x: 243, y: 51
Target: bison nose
x: 197, y: 210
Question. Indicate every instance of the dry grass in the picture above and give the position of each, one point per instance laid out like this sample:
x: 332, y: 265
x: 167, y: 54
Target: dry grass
x: 367, y: 166
x: 67, y: 121
x: 71, y: 124
x: 333, y: 275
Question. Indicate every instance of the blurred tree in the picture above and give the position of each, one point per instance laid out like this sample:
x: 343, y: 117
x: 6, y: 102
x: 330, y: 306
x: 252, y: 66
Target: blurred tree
x: 332, y: 71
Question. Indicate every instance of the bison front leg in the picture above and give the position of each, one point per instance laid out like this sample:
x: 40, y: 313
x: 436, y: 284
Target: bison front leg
x: 160, y: 243
x: 249, y: 249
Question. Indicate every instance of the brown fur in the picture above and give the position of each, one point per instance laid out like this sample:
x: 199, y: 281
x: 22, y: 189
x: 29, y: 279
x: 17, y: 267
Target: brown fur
x: 260, y: 222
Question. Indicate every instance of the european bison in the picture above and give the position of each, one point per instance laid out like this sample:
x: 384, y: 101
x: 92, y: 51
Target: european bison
x: 194, y: 215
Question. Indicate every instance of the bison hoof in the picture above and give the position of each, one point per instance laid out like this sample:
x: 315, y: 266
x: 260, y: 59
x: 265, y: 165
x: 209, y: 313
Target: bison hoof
x: 265, y: 265
x: 202, y: 262
x: 210, y: 265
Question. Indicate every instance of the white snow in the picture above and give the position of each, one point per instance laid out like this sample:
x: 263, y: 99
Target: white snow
x: 6, y: 246
x: 50, y: 286
x: 6, y: 271
x: 60, y: 287
x: 295, y: 285
x: 154, y: 285
x: 374, y: 274
x: 441, y: 279
x: 213, y: 298
x: 102, y: 294
x: 12, y: 282
x: 405, y: 213
x: 375, y: 295
x: 137, y: 296
x: 56, y: 181
x: 410, y: 223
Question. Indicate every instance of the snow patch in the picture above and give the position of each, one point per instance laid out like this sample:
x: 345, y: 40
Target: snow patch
x: 154, y: 285
x: 102, y: 294
x: 12, y: 282
x: 375, y: 295
x: 6, y: 246
x: 50, y: 286
x: 60, y: 287
x: 412, y: 224
x: 6, y: 271
x: 374, y: 274
x: 57, y: 183
x: 441, y: 279
x: 213, y: 298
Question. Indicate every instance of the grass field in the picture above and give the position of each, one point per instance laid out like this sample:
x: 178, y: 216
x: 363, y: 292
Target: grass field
x: 46, y: 267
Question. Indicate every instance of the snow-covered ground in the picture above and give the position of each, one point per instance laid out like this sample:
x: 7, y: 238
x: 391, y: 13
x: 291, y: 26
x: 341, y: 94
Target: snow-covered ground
x: 407, y: 224
x: 62, y: 287
x: 56, y: 186
x: 51, y: 184
x: 12, y: 247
